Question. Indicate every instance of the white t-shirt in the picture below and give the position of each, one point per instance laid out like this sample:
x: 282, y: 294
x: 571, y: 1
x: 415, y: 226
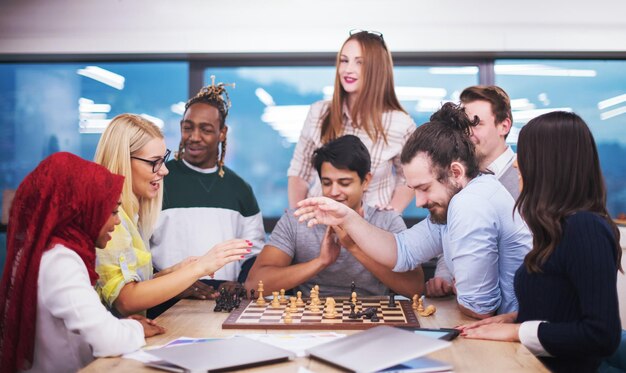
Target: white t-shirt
x: 73, y: 326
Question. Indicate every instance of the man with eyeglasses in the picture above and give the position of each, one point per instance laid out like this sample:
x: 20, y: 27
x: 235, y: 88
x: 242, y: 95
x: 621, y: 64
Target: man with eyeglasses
x: 492, y: 106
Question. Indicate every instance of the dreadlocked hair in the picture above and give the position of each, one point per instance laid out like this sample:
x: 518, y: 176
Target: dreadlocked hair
x: 216, y: 96
x: 220, y: 163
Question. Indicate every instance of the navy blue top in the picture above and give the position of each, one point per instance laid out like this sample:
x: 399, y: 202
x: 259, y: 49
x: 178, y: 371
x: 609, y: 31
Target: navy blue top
x: 576, y: 294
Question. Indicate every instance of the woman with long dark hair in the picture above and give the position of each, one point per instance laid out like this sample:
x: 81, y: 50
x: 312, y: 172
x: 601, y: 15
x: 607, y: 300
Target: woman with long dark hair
x: 566, y: 288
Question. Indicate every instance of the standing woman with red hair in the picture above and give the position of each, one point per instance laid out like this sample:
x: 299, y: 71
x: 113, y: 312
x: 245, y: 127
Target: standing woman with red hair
x: 51, y: 318
x: 364, y: 104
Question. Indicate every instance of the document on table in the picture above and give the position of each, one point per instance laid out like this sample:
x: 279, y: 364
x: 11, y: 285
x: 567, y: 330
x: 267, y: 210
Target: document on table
x: 297, y: 342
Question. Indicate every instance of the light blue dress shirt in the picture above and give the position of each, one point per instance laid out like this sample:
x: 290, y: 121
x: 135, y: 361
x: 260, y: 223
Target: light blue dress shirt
x: 483, y: 243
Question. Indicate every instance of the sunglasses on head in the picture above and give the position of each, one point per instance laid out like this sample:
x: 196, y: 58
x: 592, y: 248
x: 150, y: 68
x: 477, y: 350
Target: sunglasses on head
x: 376, y: 34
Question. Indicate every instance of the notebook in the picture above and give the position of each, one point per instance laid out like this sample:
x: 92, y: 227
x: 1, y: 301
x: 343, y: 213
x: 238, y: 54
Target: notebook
x: 224, y: 354
x: 419, y: 365
x: 376, y: 349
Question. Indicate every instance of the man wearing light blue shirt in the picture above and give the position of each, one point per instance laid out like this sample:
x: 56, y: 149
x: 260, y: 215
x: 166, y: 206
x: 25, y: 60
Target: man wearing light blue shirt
x: 492, y: 106
x: 471, y: 220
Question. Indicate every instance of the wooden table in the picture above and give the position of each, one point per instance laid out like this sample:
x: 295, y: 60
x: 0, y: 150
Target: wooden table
x: 194, y: 318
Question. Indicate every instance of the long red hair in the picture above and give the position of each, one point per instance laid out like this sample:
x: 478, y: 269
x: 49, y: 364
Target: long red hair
x: 376, y: 94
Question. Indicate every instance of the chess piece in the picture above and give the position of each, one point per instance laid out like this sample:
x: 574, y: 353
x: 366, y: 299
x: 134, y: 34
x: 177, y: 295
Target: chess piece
x: 260, y: 300
x: 420, y: 304
x: 392, y: 300
x: 314, y: 308
x: 352, y: 313
x: 251, y: 295
x: 317, y: 289
x: 369, y: 312
x: 428, y: 311
x: 353, y: 300
x: 314, y: 297
x: 293, y: 307
x: 331, y: 312
x: 299, y: 301
x: 414, y: 304
x: 352, y: 287
x: 275, y: 303
x: 219, y: 304
x: 283, y: 299
x: 287, y: 318
x: 374, y: 318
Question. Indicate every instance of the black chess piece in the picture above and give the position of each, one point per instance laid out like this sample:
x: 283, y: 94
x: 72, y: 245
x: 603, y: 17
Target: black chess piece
x: 353, y: 315
x: 392, y: 300
x: 352, y: 287
x: 374, y: 318
x: 369, y: 312
x: 231, y: 300
x: 243, y: 294
x: 219, y: 303
x: 252, y: 294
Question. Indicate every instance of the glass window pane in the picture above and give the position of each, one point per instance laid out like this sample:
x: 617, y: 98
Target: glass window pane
x: 270, y: 104
x: 46, y: 108
x: 595, y: 90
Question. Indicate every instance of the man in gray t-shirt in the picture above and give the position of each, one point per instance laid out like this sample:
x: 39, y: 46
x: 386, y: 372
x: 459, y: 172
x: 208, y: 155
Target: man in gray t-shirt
x: 299, y: 257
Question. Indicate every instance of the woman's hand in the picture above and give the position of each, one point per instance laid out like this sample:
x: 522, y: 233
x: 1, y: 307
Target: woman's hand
x: 150, y: 327
x: 494, y: 332
x: 175, y: 267
x: 506, y: 318
x: 222, y: 254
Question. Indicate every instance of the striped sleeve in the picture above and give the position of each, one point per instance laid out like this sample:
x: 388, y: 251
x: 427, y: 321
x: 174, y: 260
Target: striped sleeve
x: 301, y: 164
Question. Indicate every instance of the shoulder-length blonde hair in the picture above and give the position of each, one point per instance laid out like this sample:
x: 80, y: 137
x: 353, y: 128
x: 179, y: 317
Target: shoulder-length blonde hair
x: 122, y: 139
x: 376, y: 94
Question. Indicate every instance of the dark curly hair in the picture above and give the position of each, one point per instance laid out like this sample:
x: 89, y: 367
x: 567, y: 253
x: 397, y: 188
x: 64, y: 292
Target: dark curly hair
x: 445, y: 139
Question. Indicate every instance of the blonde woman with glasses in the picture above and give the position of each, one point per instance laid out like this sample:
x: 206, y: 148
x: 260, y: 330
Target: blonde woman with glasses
x: 364, y: 104
x: 134, y: 148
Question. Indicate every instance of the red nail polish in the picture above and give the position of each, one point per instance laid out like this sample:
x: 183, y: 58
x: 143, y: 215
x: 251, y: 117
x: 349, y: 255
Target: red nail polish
x: 242, y: 257
x: 248, y: 250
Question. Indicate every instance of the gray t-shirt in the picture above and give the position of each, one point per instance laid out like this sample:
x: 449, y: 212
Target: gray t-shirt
x: 303, y: 245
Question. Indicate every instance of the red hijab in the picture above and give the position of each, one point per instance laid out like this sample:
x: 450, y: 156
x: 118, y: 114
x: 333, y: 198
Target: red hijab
x: 65, y: 200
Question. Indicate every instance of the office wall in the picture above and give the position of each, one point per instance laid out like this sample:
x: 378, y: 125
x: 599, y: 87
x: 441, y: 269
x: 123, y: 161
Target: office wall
x: 201, y: 26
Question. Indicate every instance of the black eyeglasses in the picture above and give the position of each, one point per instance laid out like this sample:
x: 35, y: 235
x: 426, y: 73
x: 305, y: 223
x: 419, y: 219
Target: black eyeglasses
x: 378, y: 35
x: 157, y: 163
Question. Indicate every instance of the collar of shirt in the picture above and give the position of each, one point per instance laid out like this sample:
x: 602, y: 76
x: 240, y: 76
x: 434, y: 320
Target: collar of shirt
x: 201, y: 170
x: 503, y: 162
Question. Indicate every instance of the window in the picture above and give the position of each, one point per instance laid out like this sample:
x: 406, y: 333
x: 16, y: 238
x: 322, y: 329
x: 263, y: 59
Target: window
x: 595, y: 90
x: 46, y: 108
x: 270, y: 104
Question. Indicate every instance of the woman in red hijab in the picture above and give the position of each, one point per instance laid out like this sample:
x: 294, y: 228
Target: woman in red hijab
x: 51, y: 318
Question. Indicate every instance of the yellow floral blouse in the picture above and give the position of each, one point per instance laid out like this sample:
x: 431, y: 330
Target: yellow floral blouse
x: 125, y: 259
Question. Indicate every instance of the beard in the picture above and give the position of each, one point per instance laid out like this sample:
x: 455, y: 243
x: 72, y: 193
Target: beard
x: 440, y: 216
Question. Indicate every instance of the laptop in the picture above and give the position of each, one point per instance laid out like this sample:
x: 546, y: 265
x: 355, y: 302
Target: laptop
x: 376, y: 349
x: 220, y: 355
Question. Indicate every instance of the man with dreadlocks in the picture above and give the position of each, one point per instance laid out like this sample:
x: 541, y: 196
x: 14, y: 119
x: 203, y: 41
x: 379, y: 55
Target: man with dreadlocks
x: 205, y: 202
x: 471, y: 221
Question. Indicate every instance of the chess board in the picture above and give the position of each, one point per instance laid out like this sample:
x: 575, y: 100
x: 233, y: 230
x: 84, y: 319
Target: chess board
x: 249, y: 315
